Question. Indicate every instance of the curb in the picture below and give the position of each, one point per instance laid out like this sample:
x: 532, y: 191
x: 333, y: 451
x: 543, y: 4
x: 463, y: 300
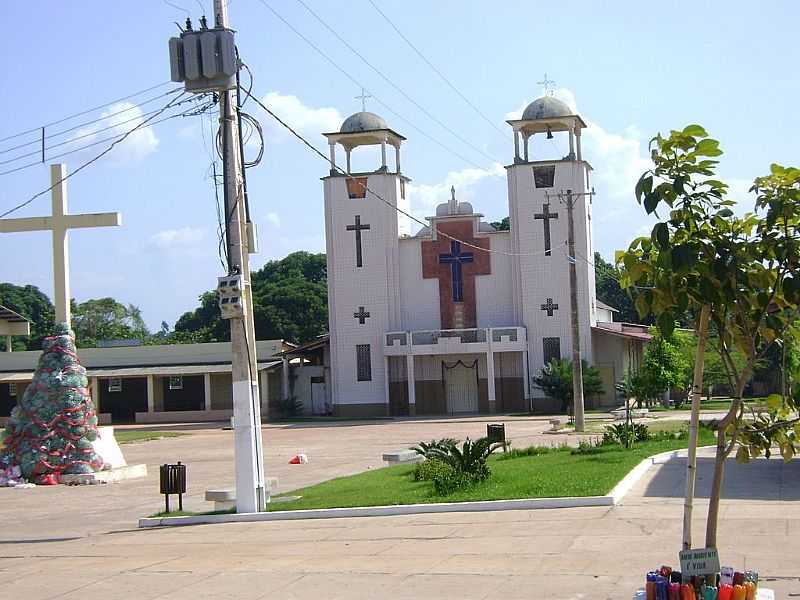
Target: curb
x: 613, y: 498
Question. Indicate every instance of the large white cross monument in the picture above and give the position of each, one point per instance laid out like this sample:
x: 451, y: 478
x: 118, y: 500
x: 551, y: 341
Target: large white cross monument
x: 60, y: 223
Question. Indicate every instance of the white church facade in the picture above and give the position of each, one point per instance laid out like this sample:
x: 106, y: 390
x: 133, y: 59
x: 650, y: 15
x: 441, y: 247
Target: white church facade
x: 460, y: 317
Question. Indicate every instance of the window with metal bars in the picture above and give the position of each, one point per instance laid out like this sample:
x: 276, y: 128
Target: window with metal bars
x: 363, y: 363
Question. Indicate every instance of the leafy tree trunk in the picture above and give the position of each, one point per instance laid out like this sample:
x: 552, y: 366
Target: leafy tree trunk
x: 697, y: 391
x: 722, y: 453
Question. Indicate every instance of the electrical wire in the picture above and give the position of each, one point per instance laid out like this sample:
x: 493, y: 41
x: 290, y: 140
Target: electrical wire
x: 438, y: 72
x: 389, y: 204
x: 92, y: 160
x: 86, y: 123
x: 87, y: 111
x: 399, y: 89
x: 344, y: 72
x: 106, y: 139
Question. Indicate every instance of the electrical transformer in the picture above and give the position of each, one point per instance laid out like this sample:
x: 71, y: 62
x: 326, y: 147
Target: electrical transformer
x: 229, y: 293
x: 204, y: 60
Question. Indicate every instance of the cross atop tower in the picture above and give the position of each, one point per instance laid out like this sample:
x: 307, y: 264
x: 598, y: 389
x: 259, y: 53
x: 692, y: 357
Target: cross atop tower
x: 548, y: 84
x: 363, y: 97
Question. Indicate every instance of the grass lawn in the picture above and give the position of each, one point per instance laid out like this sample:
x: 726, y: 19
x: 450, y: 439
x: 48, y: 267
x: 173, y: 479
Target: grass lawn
x: 556, y: 472
x: 129, y: 436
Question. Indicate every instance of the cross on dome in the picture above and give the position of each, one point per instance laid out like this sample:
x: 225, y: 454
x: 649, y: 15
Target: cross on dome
x: 548, y: 84
x: 363, y: 97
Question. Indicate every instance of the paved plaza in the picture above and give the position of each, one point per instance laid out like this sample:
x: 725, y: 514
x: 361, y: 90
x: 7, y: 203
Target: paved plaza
x: 49, y: 535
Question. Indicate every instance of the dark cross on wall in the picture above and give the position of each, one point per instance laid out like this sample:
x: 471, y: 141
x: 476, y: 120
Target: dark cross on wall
x: 358, y: 228
x: 455, y: 259
x: 549, y: 307
x: 545, y: 216
x: 361, y: 315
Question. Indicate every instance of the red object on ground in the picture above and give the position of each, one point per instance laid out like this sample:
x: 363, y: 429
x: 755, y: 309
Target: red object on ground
x: 48, y: 479
x: 295, y: 460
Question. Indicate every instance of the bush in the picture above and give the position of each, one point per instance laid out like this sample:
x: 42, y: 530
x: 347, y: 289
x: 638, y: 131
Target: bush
x: 556, y: 382
x: 291, y: 407
x: 427, y: 469
x: 587, y: 447
x: 529, y: 451
x: 469, y: 459
x: 625, y: 435
x: 448, y: 479
x: 427, y: 449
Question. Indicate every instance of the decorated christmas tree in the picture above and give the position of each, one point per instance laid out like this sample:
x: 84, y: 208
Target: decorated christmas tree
x: 52, y: 428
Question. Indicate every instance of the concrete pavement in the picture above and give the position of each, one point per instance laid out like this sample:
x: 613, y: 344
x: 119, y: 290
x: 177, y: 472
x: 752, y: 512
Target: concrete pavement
x: 547, y: 554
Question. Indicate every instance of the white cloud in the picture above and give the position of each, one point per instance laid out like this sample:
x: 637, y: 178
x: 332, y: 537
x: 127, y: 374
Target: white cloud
x: 303, y: 118
x: 422, y: 199
x: 118, y: 119
x: 273, y: 219
x: 177, y: 238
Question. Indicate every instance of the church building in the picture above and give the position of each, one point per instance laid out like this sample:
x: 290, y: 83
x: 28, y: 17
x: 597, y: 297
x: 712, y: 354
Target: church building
x: 459, y: 317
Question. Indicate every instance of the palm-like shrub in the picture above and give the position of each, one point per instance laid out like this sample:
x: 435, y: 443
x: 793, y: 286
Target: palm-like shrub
x: 469, y: 459
x: 556, y: 381
x: 427, y: 449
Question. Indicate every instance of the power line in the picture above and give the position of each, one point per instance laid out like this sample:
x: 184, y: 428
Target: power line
x: 92, y: 160
x: 88, y: 110
x: 393, y: 84
x: 382, y: 199
x: 438, y: 72
x: 359, y: 84
x: 86, y: 123
x: 101, y: 141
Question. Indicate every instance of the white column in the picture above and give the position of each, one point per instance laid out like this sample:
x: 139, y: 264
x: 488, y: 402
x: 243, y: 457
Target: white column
x: 516, y: 145
x: 263, y: 376
x: 578, y: 141
x: 284, y: 378
x: 61, y: 292
x: 397, y: 158
x: 95, y: 387
x: 412, y: 385
x: 572, y: 144
x: 333, y: 157
x: 8, y: 344
x: 386, y: 384
x: 207, y: 391
x: 526, y: 375
x: 151, y: 389
x: 347, y: 154
x: 525, y: 147
x: 383, y: 153
x: 490, y: 373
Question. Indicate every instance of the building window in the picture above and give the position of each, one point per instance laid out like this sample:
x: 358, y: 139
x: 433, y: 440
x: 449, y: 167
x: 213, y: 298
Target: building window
x: 551, y: 348
x: 543, y: 176
x: 176, y: 382
x: 356, y: 187
x: 115, y: 384
x: 363, y: 362
x: 12, y: 389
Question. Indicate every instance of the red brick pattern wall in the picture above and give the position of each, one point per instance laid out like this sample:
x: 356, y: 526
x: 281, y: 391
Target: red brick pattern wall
x: 456, y: 315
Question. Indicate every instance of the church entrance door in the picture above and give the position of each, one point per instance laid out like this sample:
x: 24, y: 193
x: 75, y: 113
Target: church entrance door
x: 461, y: 387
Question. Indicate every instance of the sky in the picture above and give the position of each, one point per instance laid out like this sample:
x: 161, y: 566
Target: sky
x: 631, y: 69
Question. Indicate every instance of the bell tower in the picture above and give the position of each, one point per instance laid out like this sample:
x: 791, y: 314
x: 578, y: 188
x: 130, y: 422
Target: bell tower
x: 539, y: 189
x: 361, y: 231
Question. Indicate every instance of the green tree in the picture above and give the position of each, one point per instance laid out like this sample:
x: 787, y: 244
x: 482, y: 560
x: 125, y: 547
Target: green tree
x: 106, y: 319
x: 34, y: 305
x: 606, y: 278
x: 555, y: 380
x: 739, y: 274
x: 664, y: 367
x: 290, y: 301
x: 503, y: 224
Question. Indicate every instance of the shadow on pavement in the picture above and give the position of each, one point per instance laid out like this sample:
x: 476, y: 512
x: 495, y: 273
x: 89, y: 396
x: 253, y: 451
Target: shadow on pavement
x: 759, y: 479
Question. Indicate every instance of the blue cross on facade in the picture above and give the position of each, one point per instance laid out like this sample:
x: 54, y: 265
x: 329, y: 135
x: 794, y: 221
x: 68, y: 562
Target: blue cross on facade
x: 455, y: 259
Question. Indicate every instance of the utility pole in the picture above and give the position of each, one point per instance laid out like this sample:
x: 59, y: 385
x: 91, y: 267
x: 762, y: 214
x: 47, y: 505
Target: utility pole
x: 249, y: 458
x: 577, y: 365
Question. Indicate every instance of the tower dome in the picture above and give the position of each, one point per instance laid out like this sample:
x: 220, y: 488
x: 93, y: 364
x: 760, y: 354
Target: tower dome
x: 546, y: 107
x: 363, y: 121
